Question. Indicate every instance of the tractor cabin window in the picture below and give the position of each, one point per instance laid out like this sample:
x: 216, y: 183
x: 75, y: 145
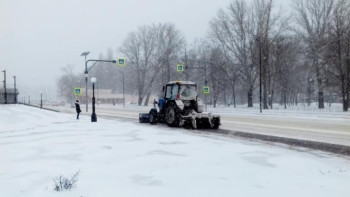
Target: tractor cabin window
x: 188, y: 92
x: 168, y: 92
x: 174, y: 92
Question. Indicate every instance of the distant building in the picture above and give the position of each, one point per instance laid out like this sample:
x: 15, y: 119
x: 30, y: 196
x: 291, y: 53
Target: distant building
x: 10, y: 95
x: 106, y: 96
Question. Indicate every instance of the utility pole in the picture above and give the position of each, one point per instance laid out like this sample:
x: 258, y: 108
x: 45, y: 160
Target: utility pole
x: 205, y: 83
x: 86, y: 79
x: 5, y: 93
x: 15, y: 97
x: 186, y: 63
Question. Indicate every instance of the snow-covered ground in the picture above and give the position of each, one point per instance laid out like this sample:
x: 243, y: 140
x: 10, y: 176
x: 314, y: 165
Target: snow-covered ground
x: 122, y: 158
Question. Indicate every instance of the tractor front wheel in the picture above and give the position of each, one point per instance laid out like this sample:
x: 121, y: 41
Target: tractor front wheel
x: 153, y: 116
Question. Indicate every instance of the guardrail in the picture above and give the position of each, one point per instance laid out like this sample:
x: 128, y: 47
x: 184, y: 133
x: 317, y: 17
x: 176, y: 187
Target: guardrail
x: 38, y: 106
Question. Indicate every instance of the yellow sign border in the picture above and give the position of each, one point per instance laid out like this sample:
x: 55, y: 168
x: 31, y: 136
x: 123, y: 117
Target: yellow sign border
x: 76, y: 93
x: 119, y: 63
x: 180, y: 70
x: 206, y: 92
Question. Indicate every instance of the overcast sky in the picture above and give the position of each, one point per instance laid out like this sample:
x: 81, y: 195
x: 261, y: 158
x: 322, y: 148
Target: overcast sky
x: 39, y: 37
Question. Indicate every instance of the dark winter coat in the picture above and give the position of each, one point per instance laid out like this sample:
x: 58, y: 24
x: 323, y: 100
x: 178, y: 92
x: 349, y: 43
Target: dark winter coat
x: 77, y: 107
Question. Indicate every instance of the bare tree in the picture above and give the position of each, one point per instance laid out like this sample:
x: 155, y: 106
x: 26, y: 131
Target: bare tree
x: 287, y: 70
x: 313, y: 18
x: 151, y: 51
x: 262, y: 13
x: 338, y: 53
x: 231, y: 71
x: 139, y: 48
x: 217, y: 73
x: 234, y: 30
x: 197, y: 66
x: 67, y: 82
x: 270, y: 27
x: 170, y: 41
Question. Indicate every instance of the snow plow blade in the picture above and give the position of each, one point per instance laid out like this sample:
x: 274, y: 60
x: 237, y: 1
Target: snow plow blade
x: 200, y: 121
x: 144, y: 118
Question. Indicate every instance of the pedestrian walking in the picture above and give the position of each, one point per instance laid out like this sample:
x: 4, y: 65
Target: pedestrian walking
x: 77, y: 108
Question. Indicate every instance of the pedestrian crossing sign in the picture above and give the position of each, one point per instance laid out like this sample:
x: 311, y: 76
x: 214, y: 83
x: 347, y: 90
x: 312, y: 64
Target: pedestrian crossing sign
x: 77, y: 91
x: 206, y: 90
x: 180, y: 68
x: 121, y: 61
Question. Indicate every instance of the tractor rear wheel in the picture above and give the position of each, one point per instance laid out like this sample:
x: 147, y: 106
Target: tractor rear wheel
x: 171, y: 116
x: 216, y: 123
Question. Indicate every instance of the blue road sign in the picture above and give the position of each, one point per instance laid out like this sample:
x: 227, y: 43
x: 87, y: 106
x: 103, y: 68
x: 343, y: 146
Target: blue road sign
x: 121, y: 62
x: 77, y: 91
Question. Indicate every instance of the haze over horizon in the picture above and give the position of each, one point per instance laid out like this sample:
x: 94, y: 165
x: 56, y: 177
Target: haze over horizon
x: 39, y: 37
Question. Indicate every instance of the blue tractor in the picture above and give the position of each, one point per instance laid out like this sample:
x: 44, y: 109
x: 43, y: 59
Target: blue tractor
x: 179, y: 106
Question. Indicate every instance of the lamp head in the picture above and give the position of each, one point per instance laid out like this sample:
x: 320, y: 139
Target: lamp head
x: 85, y: 53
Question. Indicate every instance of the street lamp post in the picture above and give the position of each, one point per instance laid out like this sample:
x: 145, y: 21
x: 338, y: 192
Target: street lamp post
x: 5, y: 93
x: 15, y: 97
x: 260, y: 102
x: 87, y: 73
x: 93, y: 115
x: 309, y: 91
x: 86, y: 79
x: 123, y: 90
x: 41, y: 100
x: 285, y: 98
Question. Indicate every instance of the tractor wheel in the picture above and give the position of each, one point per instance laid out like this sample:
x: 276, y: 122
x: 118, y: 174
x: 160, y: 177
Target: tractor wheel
x: 153, y: 117
x: 216, y: 123
x: 171, y: 116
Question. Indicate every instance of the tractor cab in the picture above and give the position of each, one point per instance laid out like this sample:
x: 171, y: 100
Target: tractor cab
x: 184, y: 90
x: 178, y: 90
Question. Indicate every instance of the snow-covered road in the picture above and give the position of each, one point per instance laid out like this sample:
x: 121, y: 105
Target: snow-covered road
x: 319, y: 126
x: 121, y: 158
